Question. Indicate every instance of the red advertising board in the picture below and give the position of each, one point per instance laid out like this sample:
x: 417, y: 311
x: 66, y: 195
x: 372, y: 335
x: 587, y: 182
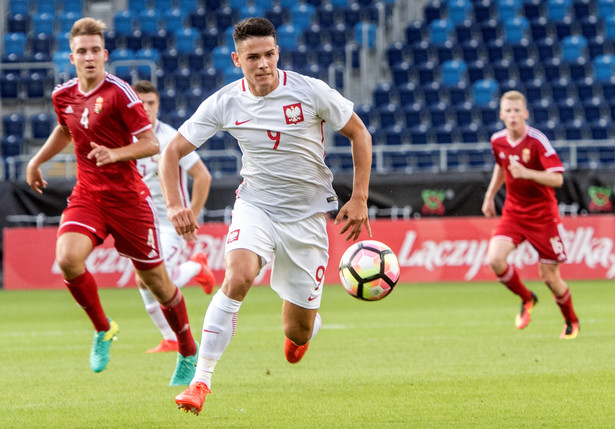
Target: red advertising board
x: 429, y: 250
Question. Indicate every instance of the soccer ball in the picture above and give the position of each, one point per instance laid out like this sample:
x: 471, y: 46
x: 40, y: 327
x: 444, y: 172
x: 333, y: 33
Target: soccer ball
x: 369, y: 270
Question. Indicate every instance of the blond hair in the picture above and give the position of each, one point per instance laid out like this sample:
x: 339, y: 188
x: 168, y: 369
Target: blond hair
x: 513, y: 96
x: 88, y: 27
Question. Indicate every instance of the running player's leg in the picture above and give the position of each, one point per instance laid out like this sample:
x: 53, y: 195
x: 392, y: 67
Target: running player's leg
x: 300, y: 326
x: 550, y: 274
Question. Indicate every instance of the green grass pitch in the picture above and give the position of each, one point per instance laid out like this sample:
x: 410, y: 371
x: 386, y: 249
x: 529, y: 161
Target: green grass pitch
x: 427, y: 356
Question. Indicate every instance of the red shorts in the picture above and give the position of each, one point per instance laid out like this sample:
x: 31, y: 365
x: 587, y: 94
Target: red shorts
x: 133, y: 225
x: 546, y: 237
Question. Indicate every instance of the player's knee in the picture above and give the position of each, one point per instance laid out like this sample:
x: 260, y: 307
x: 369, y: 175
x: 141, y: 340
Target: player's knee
x: 70, y: 264
x: 298, y: 334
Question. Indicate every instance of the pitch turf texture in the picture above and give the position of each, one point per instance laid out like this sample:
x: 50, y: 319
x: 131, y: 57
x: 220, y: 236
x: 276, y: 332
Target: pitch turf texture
x: 427, y: 356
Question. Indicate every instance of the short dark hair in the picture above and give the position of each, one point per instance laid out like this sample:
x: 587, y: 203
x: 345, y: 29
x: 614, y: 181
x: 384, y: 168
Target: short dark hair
x: 145, y: 87
x: 253, y: 27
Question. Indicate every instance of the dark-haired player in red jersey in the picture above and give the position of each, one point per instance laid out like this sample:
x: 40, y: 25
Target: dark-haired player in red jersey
x: 528, y: 164
x: 100, y: 114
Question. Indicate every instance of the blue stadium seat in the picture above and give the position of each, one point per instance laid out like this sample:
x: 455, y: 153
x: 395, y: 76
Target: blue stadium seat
x: 17, y: 23
x: 288, y: 36
x: 523, y: 50
x: 595, y: 108
x: 122, y: 71
x: 11, y: 146
x: 325, y: 15
x: 604, y: 67
x: 551, y: 129
x: 147, y: 54
x: 541, y: 28
x: 43, y: 23
x: 606, y: 8
x: 528, y: 69
x: 395, y: 135
x: 465, y: 30
x: 512, y: 85
x: 504, y: 69
x: 421, y: 134
x: 541, y: 111
x: 37, y: 85
x: 186, y: 39
x: 136, y: 6
x: 547, y: 48
x: 66, y: 20
x: 458, y: 93
x: 339, y: 34
x: 558, y: 9
x: 576, y: 129
x: 421, y: 52
x: 516, y: 28
x: 233, y: 73
x: 221, y: 57
x: 574, y: 47
x: 609, y: 28
x: 365, y: 34
x: 426, y: 72
x: 489, y: 113
x: 209, y: 79
x: 446, y: 133
x: 383, y: 94
x: 168, y: 100
x: 62, y: 61
x: 15, y: 43
x: 553, y: 69
x: 134, y: 41
x: 583, y: 8
x: 446, y: 51
x: 440, y: 31
x: 182, y: 78
x: 602, y: 129
x: 453, y: 72
x: 472, y: 133
x: 123, y: 21
x: 194, y: 97
x: 587, y: 88
x: 365, y: 111
x: 198, y: 19
x: 490, y: 30
x: 478, y: 70
x: 173, y: 19
x: 507, y: 9
x: 13, y: 124
x: 532, y: 9
x: 248, y: 10
x: 567, y: 110
x: 402, y: 73
x: 459, y: 10
x: 561, y: 89
x: 301, y: 15
x: 161, y: 5
x: 497, y: 50
x: 408, y: 93
x: 566, y: 27
x: 225, y: 17
x: 41, y: 125
x: 535, y: 89
x: 19, y: 7
x: 579, y: 69
x: 41, y: 42
x: 472, y: 50
x: 413, y: 114
x: 433, y: 11
x: 591, y: 26
x: 416, y: 31
x: 432, y: 93
x: 387, y: 114
x: 73, y: 6
x: 396, y: 52
x: 437, y: 114
x: 484, y: 10
x: 599, y: 46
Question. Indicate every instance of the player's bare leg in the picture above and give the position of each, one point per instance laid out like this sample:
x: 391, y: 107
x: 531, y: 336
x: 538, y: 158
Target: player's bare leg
x: 174, y: 309
x: 219, y: 325
x: 300, y: 326
x: 550, y: 274
x: 72, y: 249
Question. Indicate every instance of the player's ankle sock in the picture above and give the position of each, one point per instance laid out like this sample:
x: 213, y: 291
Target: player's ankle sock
x: 219, y: 325
x: 317, y: 325
x: 512, y: 281
x: 175, y: 313
x: 84, y: 291
x: 186, y: 272
x: 152, y: 306
x: 565, y: 305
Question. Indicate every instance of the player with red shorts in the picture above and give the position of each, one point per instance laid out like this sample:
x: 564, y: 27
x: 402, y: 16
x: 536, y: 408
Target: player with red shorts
x: 529, y: 166
x: 101, y: 114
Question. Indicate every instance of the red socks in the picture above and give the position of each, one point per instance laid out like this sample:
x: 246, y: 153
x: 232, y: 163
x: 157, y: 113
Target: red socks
x: 511, y: 280
x: 177, y: 316
x: 84, y: 290
x: 565, y: 305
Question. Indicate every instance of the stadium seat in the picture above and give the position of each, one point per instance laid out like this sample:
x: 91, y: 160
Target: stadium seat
x: 507, y: 9
x: 561, y: 89
x: 382, y: 94
x: 440, y: 31
x: 465, y: 30
x: 339, y: 34
x: 553, y: 69
x: 535, y: 89
x: 426, y: 72
x: 248, y: 10
x: 578, y: 69
x: 586, y: 88
x: 433, y: 11
x: 43, y: 23
x: 396, y: 52
x: 478, y: 70
x: 19, y: 7
x: 490, y: 30
x: 459, y: 10
x: 17, y: 23
x: 420, y: 134
x: 516, y: 28
x: 472, y: 50
x: 437, y: 114
x: 604, y: 67
x: 402, y: 73
x: 408, y: 93
x: 15, y: 43
x: 532, y: 9
x: 150, y: 54
x: 609, y: 28
x: 421, y: 52
x: 463, y: 113
x: 186, y: 39
x: 225, y: 17
x: 453, y: 72
x: 446, y: 133
x: 301, y: 15
x: 489, y: 113
x: 288, y: 36
x: 523, y: 50
x: 497, y: 50
x: 365, y: 34
x: 574, y: 47
x: 567, y: 110
x: 413, y: 114
x: 123, y: 22
x: 325, y: 15
x: 528, y: 69
x: 13, y: 124
x: 582, y: 8
x: 606, y: 8
x: 594, y: 109
x: 11, y: 146
x: 387, y: 114
x: 541, y: 28
x: 41, y: 42
x: 73, y: 6
x: 602, y: 129
x: 37, y: 85
x: 365, y: 111
x: 504, y: 69
x: 432, y: 93
x: 122, y: 71
x: 566, y: 27
x: 66, y: 20
x: 161, y: 5
x: 484, y: 10
x: 62, y: 61
x: 416, y: 31
x: 599, y: 46
x: 182, y: 79
x: 446, y: 51
x: 471, y: 133
x: 458, y: 93
x: 591, y: 26
x: 136, y: 6
x: 558, y: 9
x: 41, y: 125
x: 541, y: 111
x: 576, y: 129
x: 173, y: 19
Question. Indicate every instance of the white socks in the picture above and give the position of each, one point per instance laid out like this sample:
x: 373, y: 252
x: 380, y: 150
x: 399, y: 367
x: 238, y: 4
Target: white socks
x: 152, y: 306
x: 185, y: 272
x: 218, y: 328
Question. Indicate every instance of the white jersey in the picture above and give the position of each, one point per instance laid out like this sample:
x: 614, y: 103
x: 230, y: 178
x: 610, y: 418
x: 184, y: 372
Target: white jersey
x: 281, y: 136
x: 148, y: 168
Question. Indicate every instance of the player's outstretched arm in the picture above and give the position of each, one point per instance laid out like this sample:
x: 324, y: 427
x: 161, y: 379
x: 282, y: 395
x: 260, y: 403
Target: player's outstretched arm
x: 355, y: 210
x: 58, y: 139
x: 546, y: 178
x: 183, y: 218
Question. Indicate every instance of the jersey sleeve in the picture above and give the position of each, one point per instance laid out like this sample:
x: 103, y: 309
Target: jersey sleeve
x: 132, y: 111
x: 331, y: 105
x: 188, y: 161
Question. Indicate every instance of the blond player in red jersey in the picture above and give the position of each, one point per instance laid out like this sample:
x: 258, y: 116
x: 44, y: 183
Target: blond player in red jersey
x: 529, y: 166
x: 101, y: 115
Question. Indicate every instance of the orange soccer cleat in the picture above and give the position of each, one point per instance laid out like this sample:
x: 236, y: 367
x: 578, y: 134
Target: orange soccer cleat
x: 192, y: 399
x: 293, y: 352
x: 165, y: 346
x: 571, y: 330
x: 205, y: 278
x: 525, y: 315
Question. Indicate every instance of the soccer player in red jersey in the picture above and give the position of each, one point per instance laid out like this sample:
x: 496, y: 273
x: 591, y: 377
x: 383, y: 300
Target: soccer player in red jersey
x: 101, y: 114
x: 529, y: 166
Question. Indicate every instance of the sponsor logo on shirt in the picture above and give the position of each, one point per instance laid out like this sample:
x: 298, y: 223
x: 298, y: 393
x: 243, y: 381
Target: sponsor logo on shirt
x: 237, y: 123
x: 293, y: 113
x: 232, y: 236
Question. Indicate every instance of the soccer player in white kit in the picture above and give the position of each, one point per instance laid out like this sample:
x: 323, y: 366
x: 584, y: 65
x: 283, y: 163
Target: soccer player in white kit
x: 278, y: 119
x: 173, y: 245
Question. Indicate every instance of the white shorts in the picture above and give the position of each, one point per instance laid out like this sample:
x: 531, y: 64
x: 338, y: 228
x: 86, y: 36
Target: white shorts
x: 300, y: 251
x: 173, y: 249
